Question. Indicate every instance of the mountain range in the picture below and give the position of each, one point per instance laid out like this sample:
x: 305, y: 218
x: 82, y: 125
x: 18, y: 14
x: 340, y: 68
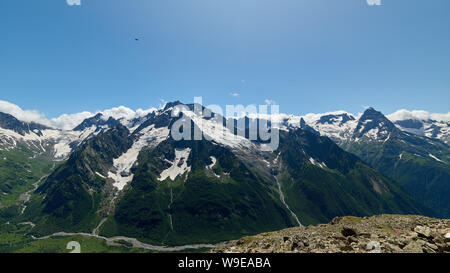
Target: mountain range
x: 128, y: 177
x: 417, y: 159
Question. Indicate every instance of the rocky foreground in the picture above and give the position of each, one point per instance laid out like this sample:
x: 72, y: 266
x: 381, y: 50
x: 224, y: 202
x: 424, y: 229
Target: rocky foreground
x: 377, y: 234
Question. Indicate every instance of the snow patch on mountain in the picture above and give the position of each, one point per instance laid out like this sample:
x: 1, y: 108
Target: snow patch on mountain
x: 60, y: 140
x: 314, y: 117
x: 121, y: 180
x: 101, y: 175
x: 336, y: 131
x: 317, y: 163
x: 179, y: 165
x: 377, y: 134
x: 147, y: 137
x: 337, y: 125
x: 423, y: 123
x: 214, y: 161
x: 340, y: 125
x: 214, y: 130
x: 428, y: 128
x: 435, y: 158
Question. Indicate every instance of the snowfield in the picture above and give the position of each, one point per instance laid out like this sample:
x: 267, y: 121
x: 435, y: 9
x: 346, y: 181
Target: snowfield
x: 218, y: 133
x: 61, y: 140
x: 214, y: 161
x: 179, y: 165
x: 435, y: 158
x: 148, y: 137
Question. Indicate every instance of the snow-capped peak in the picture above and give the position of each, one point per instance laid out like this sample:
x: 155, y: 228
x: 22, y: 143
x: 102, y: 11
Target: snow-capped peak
x: 374, y: 125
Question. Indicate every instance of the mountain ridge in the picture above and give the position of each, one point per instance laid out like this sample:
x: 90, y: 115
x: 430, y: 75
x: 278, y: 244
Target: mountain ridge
x: 129, y: 177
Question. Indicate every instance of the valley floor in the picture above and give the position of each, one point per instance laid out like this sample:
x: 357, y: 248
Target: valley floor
x: 377, y: 234
x: 16, y: 239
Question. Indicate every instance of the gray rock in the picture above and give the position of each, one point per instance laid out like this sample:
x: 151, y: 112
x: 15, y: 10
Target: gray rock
x: 423, y: 231
x: 373, y: 247
x: 413, y: 247
x: 430, y: 248
x: 392, y: 248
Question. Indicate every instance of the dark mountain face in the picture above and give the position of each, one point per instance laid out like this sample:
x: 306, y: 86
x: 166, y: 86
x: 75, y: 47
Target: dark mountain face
x: 159, y: 120
x: 9, y: 122
x: 419, y: 164
x: 376, y: 121
x: 220, y: 198
x: 98, y: 121
x: 306, y: 127
x: 321, y: 181
x: 410, y: 123
x: 73, y: 197
x: 170, y: 105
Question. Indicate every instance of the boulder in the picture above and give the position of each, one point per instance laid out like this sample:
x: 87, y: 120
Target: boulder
x: 347, y: 232
x: 423, y: 231
x: 414, y: 247
x: 373, y: 247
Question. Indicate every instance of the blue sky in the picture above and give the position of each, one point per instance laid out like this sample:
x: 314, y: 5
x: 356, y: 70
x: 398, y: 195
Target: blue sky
x: 307, y: 55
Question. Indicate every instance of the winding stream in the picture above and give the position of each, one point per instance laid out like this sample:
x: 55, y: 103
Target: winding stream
x: 133, y: 241
x: 96, y: 230
x: 284, y: 202
x: 25, y: 197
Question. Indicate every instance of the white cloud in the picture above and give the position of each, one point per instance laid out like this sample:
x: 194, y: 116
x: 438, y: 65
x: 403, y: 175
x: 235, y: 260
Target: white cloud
x: 66, y: 121
x: 124, y: 112
x: 62, y: 122
x: 73, y: 2
x: 19, y: 113
x: 373, y: 2
x: 143, y: 112
x: 269, y: 102
x: 233, y: 94
x: 118, y: 113
x: 69, y: 121
x: 418, y: 115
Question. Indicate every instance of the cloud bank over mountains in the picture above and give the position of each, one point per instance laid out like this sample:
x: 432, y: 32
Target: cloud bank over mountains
x: 68, y: 121
x: 404, y: 114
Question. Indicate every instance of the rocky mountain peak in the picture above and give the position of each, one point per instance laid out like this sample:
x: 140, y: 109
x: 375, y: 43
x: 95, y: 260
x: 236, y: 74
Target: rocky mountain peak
x: 97, y: 120
x: 171, y: 105
x: 9, y: 122
x: 375, y: 125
